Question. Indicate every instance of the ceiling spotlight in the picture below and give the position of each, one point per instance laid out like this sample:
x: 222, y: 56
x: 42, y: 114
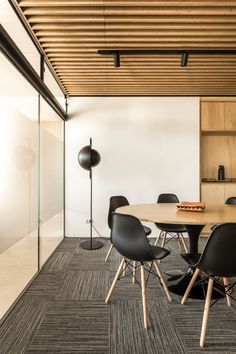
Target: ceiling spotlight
x: 116, y: 60
x: 184, y: 59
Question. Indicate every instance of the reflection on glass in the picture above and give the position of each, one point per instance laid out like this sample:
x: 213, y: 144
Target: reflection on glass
x: 51, y: 186
x: 18, y: 184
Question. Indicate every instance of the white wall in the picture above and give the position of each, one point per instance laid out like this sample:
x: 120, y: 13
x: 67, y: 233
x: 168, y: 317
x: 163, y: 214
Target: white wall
x: 148, y: 145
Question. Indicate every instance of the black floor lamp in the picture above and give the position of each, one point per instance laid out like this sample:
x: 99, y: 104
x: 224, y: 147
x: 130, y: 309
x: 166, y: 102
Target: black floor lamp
x: 89, y: 158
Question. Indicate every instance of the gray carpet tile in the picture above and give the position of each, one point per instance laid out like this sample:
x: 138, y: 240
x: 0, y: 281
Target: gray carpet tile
x: 44, y: 286
x: 63, y: 311
x: 127, y: 329
x: 73, y: 327
x: 91, y: 261
x: 87, y: 285
x: 58, y: 262
x: 70, y: 244
x: 221, y: 333
x: 18, y: 329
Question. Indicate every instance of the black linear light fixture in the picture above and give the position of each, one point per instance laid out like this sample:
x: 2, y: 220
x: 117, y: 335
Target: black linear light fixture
x: 184, y: 53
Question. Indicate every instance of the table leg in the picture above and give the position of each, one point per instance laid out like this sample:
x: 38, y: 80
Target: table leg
x: 193, y: 234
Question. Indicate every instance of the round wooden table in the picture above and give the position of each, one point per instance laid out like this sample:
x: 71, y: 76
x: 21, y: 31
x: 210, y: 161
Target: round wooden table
x: 194, y: 222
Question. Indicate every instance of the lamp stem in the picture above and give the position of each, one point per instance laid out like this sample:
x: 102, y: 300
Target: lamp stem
x: 91, y: 206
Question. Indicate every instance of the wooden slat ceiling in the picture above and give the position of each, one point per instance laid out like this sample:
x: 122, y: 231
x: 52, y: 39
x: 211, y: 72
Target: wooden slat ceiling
x: 71, y: 31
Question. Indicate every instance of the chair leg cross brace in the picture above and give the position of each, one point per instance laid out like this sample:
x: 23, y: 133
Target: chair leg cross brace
x: 120, y: 270
x: 177, y: 236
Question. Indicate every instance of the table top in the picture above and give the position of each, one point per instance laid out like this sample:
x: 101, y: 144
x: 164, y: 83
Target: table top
x: 167, y: 213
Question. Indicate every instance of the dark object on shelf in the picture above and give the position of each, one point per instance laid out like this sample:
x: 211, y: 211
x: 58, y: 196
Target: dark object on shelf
x: 89, y: 158
x: 221, y: 173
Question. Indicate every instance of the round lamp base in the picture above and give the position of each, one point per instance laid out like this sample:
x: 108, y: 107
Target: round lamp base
x: 91, y: 245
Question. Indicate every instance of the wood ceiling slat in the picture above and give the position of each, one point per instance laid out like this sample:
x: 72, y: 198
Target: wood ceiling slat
x: 97, y: 83
x: 186, y: 45
x: 133, y: 10
x: 115, y: 3
x: 133, y: 19
x: 140, y: 33
x: 146, y: 72
x: 131, y: 27
x: 95, y: 42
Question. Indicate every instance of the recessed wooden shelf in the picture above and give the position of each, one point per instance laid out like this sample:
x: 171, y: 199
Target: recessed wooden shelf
x: 218, y: 132
x: 216, y: 181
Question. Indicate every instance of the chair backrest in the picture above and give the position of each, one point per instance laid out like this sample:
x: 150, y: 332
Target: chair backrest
x: 129, y: 238
x: 167, y: 198
x: 219, y: 255
x: 231, y: 201
x: 116, y: 202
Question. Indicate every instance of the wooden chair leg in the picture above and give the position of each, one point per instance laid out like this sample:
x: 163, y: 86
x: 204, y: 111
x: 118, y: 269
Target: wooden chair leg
x: 120, y: 269
x: 179, y: 243
x: 133, y: 272
x: 183, y: 242
x: 144, y: 298
x: 227, y: 285
x: 190, y: 285
x: 158, y: 238
x: 162, y: 280
x: 163, y: 239
x: 206, y: 312
x: 124, y: 270
x: 109, y: 252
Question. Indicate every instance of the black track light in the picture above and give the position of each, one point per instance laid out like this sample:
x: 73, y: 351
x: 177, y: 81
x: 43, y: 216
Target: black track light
x: 184, y: 59
x: 116, y: 60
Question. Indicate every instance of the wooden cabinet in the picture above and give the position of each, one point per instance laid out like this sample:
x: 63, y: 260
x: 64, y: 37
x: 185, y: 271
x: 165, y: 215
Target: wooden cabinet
x: 212, y: 115
x: 218, y: 147
x: 218, y: 116
x: 230, y: 115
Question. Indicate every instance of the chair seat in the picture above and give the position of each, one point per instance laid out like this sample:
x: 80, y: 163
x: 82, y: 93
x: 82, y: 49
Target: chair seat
x: 171, y: 228
x: 159, y: 252
x: 147, y: 230
x: 191, y: 258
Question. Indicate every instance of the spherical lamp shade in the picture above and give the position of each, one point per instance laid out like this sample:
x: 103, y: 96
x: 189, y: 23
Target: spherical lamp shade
x: 88, y: 157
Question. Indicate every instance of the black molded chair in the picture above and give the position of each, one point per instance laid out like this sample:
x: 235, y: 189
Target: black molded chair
x: 229, y: 201
x: 217, y: 260
x: 117, y: 202
x: 130, y: 240
x: 174, y: 231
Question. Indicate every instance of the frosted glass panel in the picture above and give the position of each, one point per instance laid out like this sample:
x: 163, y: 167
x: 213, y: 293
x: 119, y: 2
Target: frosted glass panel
x: 18, y: 184
x: 51, y: 204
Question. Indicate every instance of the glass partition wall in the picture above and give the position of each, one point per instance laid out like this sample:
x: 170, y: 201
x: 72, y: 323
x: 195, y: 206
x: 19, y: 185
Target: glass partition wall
x: 51, y: 180
x: 31, y: 183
